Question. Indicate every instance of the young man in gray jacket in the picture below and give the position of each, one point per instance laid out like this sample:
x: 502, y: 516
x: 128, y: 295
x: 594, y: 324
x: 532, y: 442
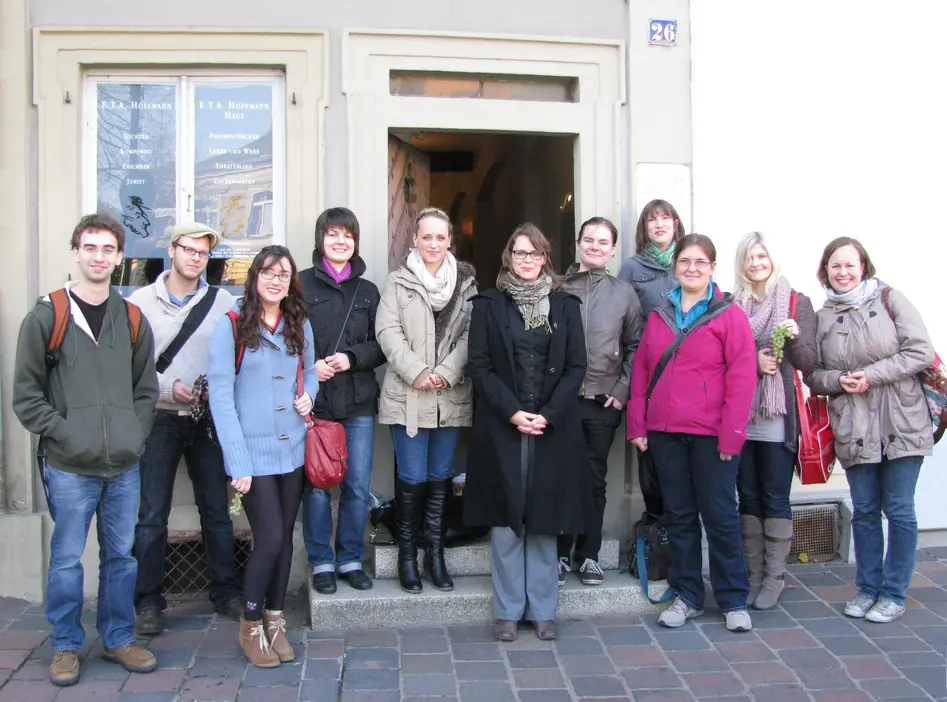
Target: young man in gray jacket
x: 92, y: 403
x: 611, y: 315
x: 167, y: 303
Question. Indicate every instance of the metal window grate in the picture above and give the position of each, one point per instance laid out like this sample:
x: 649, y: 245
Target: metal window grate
x: 816, y: 532
x: 186, y: 561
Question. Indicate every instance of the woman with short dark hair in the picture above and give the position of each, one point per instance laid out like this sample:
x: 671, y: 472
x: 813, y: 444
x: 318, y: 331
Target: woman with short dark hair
x: 527, y: 470
x: 872, y: 343
x: 259, y: 413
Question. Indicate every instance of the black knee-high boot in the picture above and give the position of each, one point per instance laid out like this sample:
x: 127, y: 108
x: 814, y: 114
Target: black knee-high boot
x: 434, y: 564
x: 409, y: 508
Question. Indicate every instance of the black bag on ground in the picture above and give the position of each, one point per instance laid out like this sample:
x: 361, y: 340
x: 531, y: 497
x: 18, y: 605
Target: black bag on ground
x: 649, y: 557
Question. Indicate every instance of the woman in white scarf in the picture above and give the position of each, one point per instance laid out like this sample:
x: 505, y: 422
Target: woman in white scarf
x: 421, y: 325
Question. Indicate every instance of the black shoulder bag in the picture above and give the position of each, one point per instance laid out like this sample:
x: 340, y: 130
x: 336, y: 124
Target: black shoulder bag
x: 193, y: 320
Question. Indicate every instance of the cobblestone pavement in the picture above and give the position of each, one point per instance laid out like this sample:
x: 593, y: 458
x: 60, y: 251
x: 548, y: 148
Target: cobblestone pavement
x: 806, y: 649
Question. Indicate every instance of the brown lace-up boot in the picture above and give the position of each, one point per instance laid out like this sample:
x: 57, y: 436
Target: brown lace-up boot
x: 276, y: 634
x: 256, y: 646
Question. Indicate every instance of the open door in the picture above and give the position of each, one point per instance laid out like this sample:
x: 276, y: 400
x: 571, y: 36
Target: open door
x: 409, y: 192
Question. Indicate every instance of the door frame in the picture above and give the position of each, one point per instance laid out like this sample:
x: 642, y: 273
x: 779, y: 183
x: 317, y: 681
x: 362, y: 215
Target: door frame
x: 594, y: 119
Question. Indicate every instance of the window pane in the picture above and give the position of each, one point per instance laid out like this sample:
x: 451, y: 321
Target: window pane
x: 482, y: 87
x: 136, y: 161
x: 233, y: 171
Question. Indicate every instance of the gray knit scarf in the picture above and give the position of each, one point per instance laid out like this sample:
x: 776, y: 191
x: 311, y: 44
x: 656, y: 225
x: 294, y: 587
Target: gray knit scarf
x: 770, y: 398
x: 531, y: 298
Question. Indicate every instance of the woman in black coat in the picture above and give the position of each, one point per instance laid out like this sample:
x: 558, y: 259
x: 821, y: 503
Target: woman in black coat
x: 527, y: 466
x: 342, y: 307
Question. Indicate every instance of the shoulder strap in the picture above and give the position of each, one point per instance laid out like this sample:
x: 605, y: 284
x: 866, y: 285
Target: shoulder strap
x: 134, y: 319
x: 60, y: 300
x: 194, y: 319
x: 676, y: 344
x: 347, y: 315
x: 885, y: 291
x: 240, y: 349
x: 643, y: 573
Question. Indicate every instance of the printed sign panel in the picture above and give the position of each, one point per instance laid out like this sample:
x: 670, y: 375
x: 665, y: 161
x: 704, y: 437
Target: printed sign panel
x: 233, y: 164
x: 136, y: 165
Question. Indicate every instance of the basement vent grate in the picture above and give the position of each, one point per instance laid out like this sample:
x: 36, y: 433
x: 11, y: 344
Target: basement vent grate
x: 816, y: 532
x: 186, y: 561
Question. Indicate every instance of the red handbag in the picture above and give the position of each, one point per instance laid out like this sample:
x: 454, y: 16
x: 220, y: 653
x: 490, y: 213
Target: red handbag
x: 326, y: 451
x: 816, y: 456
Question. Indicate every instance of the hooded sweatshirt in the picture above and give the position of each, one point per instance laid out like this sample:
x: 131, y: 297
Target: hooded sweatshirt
x: 94, y: 409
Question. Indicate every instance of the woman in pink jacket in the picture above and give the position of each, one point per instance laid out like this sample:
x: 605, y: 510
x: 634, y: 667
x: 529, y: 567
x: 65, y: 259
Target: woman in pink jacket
x: 692, y: 388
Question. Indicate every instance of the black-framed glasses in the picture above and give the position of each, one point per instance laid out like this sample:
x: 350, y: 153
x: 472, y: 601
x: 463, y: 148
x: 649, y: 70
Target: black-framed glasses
x: 193, y: 253
x: 534, y: 255
x: 268, y: 275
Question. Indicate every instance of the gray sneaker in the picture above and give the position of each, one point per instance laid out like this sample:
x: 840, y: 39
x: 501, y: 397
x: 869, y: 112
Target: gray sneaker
x: 564, y: 568
x: 859, y: 606
x: 738, y: 620
x: 678, y: 613
x: 885, y: 610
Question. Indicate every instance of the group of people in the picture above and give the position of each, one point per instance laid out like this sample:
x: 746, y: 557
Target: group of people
x: 540, y: 366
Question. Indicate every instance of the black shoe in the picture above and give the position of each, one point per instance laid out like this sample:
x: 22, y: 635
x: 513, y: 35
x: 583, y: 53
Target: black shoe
x: 434, y: 564
x: 324, y: 583
x: 409, y: 508
x: 233, y: 609
x: 357, y: 579
x: 150, y: 621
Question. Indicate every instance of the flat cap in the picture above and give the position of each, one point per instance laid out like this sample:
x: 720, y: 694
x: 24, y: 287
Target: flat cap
x: 195, y: 231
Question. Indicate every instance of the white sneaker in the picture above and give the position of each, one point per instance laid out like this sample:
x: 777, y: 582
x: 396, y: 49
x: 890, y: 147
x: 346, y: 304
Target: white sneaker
x: 564, y: 568
x: 859, y: 606
x: 739, y: 620
x: 678, y: 613
x: 590, y: 573
x: 885, y: 610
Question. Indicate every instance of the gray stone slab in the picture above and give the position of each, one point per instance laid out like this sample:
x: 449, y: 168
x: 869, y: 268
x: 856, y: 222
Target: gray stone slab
x: 825, y: 679
x: 651, y: 678
x: 475, y: 651
x: 684, y: 641
x: 544, y: 696
x: 486, y: 692
x: 807, y: 610
x: 902, y: 644
x: 434, y: 684
x: 531, y: 659
x: 930, y: 679
x: 376, y: 658
x: 480, y: 670
x: 322, y: 669
x: 916, y: 659
x: 424, y: 663
x: 820, y: 628
x: 891, y: 688
x: 367, y: 679
x: 285, y: 674
x: 587, y: 665
x: 580, y: 645
x: 849, y: 645
x: 597, y: 686
x: 625, y: 635
x: 799, y: 658
x: 713, y: 684
x: 772, y: 619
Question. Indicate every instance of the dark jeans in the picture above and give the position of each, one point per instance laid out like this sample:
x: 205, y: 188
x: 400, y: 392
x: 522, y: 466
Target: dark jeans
x: 698, y: 486
x: 598, y: 424
x: 649, y: 484
x: 172, y: 437
x: 766, y: 470
x: 876, y: 488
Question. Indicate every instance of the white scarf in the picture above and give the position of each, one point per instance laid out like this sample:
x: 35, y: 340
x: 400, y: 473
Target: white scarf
x: 440, y: 286
x: 855, y: 297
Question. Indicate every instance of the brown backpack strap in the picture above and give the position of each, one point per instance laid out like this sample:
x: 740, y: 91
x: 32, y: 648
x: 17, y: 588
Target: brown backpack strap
x: 60, y: 300
x: 240, y: 349
x: 134, y: 319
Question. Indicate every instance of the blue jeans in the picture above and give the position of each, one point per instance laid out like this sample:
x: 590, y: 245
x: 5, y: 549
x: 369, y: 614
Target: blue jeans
x: 353, y: 506
x: 73, y: 499
x: 427, y: 456
x: 766, y: 470
x: 884, y: 487
x: 699, y: 487
x: 172, y: 437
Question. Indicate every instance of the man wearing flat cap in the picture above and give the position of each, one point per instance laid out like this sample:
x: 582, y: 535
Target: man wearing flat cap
x: 183, y: 311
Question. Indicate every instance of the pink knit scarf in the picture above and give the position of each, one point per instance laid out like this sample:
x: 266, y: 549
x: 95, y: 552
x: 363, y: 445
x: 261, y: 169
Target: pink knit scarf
x: 337, y: 276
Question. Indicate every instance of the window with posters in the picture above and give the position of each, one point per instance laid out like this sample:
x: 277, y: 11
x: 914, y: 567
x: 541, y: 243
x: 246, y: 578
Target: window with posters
x: 208, y: 149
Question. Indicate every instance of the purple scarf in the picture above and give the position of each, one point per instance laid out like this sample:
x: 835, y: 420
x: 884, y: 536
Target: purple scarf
x: 337, y: 276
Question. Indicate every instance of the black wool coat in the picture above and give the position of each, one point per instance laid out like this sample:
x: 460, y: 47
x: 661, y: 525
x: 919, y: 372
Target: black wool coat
x: 558, y: 494
x: 353, y: 393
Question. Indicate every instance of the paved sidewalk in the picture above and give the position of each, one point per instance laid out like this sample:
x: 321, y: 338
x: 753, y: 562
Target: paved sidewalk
x: 803, y: 650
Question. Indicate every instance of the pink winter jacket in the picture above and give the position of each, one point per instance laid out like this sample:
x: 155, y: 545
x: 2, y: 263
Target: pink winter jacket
x: 708, y: 385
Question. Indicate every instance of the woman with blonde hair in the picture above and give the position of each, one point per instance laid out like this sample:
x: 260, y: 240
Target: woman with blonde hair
x: 421, y: 324
x: 768, y: 456
x: 528, y: 470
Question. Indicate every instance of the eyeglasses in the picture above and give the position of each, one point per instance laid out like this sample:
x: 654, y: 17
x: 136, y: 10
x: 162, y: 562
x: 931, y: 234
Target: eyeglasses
x: 91, y: 250
x: 534, y: 255
x: 193, y: 253
x: 700, y: 264
x: 269, y: 275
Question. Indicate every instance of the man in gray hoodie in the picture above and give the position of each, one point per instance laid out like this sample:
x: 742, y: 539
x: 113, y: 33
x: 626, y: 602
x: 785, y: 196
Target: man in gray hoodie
x: 92, y: 403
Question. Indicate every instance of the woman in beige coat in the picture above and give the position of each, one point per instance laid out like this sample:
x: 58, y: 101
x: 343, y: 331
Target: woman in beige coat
x: 422, y: 325
x: 872, y: 343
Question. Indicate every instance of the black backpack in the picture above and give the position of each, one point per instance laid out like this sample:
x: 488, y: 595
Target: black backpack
x: 649, y: 557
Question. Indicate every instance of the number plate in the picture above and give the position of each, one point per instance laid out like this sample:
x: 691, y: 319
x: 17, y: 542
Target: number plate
x: 662, y: 32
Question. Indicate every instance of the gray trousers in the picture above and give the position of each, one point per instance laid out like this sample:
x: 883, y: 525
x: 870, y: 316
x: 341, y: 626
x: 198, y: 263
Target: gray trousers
x: 525, y: 575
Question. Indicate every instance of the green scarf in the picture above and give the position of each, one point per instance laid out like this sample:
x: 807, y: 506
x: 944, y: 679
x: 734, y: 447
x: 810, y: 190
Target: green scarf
x: 662, y: 258
x: 531, y: 299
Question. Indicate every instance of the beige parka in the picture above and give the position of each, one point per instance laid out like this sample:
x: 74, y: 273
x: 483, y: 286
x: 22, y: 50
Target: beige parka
x: 891, y: 418
x: 406, y: 331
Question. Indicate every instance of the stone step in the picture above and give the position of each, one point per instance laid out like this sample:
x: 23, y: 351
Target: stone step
x: 387, y: 605
x: 470, y: 559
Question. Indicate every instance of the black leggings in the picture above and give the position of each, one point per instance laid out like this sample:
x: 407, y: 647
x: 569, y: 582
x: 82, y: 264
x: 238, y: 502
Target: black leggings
x: 271, y: 505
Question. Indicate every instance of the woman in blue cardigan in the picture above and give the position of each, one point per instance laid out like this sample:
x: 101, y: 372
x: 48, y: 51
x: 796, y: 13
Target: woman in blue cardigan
x: 259, y: 415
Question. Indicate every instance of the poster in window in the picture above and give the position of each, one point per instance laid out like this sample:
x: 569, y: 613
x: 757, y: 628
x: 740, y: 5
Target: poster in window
x: 136, y: 162
x: 233, y: 164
